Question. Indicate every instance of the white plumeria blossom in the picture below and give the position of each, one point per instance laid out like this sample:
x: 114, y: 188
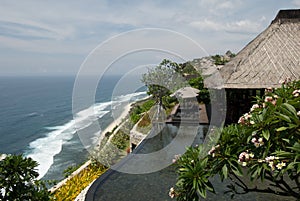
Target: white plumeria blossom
x: 270, y: 158
x: 257, y: 142
x: 255, y: 106
x: 172, y: 192
x: 280, y: 165
x: 260, y: 160
x: 268, y: 98
x: 296, y: 93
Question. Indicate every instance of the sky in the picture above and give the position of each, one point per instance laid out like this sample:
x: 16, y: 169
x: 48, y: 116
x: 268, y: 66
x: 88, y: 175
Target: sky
x: 56, y: 37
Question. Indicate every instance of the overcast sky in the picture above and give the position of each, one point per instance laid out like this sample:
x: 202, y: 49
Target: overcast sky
x: 43, y: 37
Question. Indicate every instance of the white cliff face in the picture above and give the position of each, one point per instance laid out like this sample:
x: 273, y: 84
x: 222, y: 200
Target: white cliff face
x: 207, y: 66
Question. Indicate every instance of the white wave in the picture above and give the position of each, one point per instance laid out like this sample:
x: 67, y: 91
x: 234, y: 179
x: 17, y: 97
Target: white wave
x: 54, y: 128
x: 33, y: 114
x: 44, y: 149
x: 101, y: 114
x: 128, y: 97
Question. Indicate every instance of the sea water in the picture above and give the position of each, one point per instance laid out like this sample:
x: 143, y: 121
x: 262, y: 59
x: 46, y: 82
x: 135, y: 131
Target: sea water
x: 36, y: 120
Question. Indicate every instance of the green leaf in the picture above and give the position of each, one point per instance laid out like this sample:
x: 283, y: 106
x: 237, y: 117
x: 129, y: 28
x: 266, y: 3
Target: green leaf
x: 283, y: 153
x: 225, y: 171
x: 291, y: 165
x: 195, y: 183
x: 238, y: 172
x: 201, y: 192
x: 296, y: 147
x: 286, y: 140
x: 236, y: 169
x: 210, y: 187
x: 283, y: 117
x: 281, y: 129
x: 266, y: 134
x: 204, y: 162
x: 290, y: 108
x: 254, y: 174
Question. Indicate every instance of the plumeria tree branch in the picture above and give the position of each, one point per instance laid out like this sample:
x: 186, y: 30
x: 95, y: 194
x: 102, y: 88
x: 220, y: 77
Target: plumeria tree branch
x: 268, y: 149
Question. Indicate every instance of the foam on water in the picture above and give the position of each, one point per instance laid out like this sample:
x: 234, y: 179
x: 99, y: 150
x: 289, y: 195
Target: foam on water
x: 44, y: 149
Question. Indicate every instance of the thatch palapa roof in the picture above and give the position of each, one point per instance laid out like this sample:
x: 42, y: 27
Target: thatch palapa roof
x: 272, y: 56
x: 186, y: 92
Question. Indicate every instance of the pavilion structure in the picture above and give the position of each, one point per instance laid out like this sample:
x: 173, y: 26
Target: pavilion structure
x: 272, y: 57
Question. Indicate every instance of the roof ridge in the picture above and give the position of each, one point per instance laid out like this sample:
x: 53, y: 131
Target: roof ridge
x: 270, y: 57
x: 287, y: 16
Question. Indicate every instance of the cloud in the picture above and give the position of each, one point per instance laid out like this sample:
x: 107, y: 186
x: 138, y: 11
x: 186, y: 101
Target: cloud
x: 206, y: 25
x: 219, y: 7
x: 27, y: 31
x: 296, y: 2
x: 26, y: 21
x: 241, y: 26
x: 75, y: 28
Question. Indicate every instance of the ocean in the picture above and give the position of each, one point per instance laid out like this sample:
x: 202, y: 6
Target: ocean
x: 36, y: 119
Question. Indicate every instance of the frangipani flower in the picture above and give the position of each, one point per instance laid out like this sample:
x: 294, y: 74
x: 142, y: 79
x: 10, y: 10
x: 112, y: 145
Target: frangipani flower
x: 280, y: 165
x: 244, y: 157
x: 257, y: 142
x: 296, y: 93
x: 241, y: 120
x: 172, y: 192
x: 260, y: 160
x: 272, y: 160
x: 269, y: 90
x: 255, y: 106
x: 268, y: 99
x: 213, y: 150
x: 271, y: 165
x: 271, y: 99
x: 244, y: 118
x: 176, y: 158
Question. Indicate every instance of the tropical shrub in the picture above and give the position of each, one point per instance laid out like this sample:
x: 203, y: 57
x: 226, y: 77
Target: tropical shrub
x: 18, y: 180
x: 163, y: 80
x: 264, y: 146
x: 219, y: 60
x: 187, y: 68
x: 120, y: 140
x: 147, y: 105
x: 67, y: 172
x: 138, y: 110
x: 198, y: 83
x: 136, y: 114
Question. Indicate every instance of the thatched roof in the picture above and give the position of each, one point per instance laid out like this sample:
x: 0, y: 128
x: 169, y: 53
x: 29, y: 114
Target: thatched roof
x: 272, y: 56
x: 186, y: 92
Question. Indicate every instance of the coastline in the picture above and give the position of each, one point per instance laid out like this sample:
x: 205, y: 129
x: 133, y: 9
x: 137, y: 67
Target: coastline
x: 116, y: 123
x: 118, y: 120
